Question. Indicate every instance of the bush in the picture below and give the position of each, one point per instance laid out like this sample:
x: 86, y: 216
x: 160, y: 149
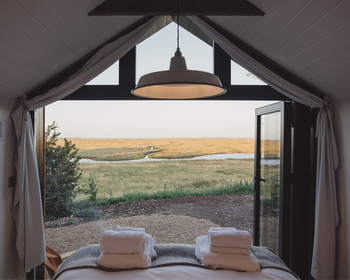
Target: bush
x: 61, y: 174
x: 91, y: 189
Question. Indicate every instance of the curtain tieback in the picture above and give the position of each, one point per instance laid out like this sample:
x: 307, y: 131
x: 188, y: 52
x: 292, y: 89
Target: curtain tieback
x: 327, y: 100
x: 21, y: 102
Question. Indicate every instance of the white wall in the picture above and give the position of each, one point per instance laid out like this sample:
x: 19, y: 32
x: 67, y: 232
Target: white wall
x: 341, y: 119
x: 10, y: 265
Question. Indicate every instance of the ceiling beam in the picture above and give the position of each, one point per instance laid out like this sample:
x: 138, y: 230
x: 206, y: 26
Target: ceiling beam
x: 173, y: 7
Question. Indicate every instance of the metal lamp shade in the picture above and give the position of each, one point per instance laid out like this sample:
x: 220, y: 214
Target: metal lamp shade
x: 178, y: 83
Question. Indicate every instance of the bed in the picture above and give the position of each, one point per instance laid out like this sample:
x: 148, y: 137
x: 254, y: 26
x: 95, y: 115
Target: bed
x: 174, y: 261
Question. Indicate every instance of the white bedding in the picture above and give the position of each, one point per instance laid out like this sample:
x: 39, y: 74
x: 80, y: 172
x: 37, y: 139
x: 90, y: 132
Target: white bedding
x: 176, y: 272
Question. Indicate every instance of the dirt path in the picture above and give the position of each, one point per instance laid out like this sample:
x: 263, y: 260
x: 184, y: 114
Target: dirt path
x: 172, y: 220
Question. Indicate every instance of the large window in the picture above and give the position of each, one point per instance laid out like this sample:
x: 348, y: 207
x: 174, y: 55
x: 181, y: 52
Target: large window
x: 154, y: 54
x: 163, y: 137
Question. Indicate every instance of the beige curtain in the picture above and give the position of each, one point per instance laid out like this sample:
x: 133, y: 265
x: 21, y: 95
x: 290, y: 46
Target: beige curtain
x: 27, y: 210
x: 327, y: 217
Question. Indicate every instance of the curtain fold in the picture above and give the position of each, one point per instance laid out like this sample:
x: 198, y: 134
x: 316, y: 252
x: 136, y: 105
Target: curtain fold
x: 27, y: 210
x: 327, y: 217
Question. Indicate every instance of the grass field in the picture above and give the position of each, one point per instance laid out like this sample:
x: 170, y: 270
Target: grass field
x: 119, y: 178
x: 126, y: 149
x: 115, y: 179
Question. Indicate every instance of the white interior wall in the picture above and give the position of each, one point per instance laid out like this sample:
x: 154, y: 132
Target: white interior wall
x: 341, y: 120
x: 10, y: 265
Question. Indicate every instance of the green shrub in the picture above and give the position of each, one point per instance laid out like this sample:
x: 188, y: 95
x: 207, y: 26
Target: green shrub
x: 61, y: 174
x: 92, y: 189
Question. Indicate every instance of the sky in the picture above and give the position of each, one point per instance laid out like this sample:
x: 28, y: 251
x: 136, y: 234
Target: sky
x: 160, y: 119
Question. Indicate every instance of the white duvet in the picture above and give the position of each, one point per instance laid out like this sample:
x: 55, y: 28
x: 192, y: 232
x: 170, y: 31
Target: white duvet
x: 177, y: 272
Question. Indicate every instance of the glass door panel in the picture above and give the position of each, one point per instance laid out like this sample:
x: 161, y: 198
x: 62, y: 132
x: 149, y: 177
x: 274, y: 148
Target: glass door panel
x: 272, y: 178
x: 270, y: 151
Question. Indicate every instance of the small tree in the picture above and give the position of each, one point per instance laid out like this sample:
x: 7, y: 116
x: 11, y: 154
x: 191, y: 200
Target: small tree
x: 61, y: 173
x: 92, y: 189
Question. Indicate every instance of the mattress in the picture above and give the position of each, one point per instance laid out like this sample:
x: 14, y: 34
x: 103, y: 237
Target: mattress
x: 174, y: 261
x: 176, y: 272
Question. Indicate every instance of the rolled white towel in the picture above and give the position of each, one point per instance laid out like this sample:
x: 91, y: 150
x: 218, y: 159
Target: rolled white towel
x: 149, y: 247
x: 226, y: 261
x: 201, y: 243
x: 126, y: 261
x: 123, y: 242
x: 119, y: 228
x: 229, y: 238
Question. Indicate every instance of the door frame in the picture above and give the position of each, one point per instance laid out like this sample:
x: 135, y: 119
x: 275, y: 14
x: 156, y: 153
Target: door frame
x: 285, y: 169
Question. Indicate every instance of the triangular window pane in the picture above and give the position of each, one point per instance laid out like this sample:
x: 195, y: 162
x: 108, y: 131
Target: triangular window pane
x: 155, y: 52
x: 108, y: 77
x: 241, y: 76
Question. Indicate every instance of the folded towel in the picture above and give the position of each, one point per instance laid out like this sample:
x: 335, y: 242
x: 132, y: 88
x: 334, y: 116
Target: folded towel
x: 118, y: 228
x: 123, y: 242
x: 150, y: 242
x: 226, y: 261
x: 231, y: 261
x: 126, y: 261
x: 229, y: 238
x: 228, y: 250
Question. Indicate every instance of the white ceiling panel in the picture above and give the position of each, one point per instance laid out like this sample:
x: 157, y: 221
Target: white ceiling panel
x: 14, y: 83
x: 25, y: 31
x: 278, y: 20
x: 55, y: 25
x: 334, y: 41
x: 17, y: 71
x: 296, y: 25
x: 75, y: 22
x: 97, y: 24
x: 40, y: 38
x: 326, y: 63
x: 331, y: 74
x: 324, y: 26
x: 254, y: 24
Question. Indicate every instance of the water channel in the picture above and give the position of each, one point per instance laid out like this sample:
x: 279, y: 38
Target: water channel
x: 207, y: 157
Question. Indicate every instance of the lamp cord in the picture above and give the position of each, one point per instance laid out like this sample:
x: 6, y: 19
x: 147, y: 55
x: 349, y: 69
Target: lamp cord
x: 178, y: 23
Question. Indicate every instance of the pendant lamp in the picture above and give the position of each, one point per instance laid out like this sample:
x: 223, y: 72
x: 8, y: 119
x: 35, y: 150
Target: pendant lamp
x: 178, y: 82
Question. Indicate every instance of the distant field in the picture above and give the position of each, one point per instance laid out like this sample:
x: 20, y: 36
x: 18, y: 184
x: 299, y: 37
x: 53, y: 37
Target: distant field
x: 126, y: 149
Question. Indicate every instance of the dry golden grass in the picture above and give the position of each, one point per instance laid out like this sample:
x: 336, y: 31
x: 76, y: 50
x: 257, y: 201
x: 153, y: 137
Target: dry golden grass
x: 271, y: 148
x: 176, y: 147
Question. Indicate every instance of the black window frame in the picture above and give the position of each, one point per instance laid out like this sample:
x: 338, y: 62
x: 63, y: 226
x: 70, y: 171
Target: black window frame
x: 127, y: 81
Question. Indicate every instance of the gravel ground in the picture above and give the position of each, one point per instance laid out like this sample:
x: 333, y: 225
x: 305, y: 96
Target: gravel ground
x: 173, y: 220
